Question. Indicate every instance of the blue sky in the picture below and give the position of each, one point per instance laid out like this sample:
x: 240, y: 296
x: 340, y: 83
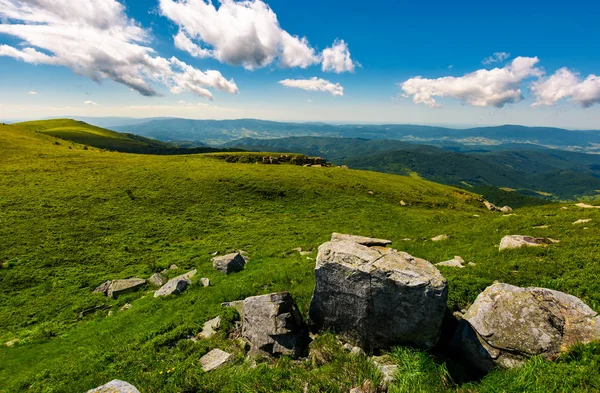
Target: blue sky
x: 334, y: 61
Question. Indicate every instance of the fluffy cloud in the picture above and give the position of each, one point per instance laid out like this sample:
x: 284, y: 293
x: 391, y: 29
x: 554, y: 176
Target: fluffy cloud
x: 314, y: 84
x: 245, y: 33
x: 90, y: 103
x: 567, y: 84
x: 32, y: 93
x: 496, y: 58
x: 96, y: 39
x: 337, y: 58
x: 495, y: 87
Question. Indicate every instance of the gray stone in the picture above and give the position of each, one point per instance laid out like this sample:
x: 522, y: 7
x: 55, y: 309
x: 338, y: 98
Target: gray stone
x: 115, y: 386
x: 176, y: 285
x: 210, y: 328
x: 387, y: 369
x: 157, y: 280
x: 274, y: 326
x: 119, y: 287
x: 456, y: 262
x: 229, y: 263
x: 205, y: 282
x: 126, y: 307
x: 506, y: 325
x: 518, y: 241
x: 506, y: 209
x: 365, y: 241
x: 102, y: 288
x: 377, y: 298
x: 173, y: 267
x: 215, y: 359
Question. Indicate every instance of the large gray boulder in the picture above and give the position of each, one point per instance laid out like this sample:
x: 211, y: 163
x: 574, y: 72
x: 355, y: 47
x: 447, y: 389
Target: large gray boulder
x: 377, y: 297
x: 230, y: 263
x: 273, y: 325
x: 518, y: 241
x: 506, y: 325
x: 176, y: 285
x: 115, y: 386
x: 119, y: 287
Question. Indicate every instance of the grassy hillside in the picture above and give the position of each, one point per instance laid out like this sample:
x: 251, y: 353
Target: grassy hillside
x: 73, y: 218
x: 87, y: 134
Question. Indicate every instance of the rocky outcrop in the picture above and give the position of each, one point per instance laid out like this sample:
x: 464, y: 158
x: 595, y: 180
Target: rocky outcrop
x: 377, y: 297
x: 518, y: 241
x: 157, y: 280
x: 230, y: 263
x: 365, y: 241
x: 506, y: 325
x: 215, y: 359
x: 273, y: 325
x: 119, y: 287
x: 176, y: 285
x: 115, y: 386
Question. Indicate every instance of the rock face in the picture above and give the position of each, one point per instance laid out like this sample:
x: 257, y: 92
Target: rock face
x: 119, y: 287
x: 365, y: 241
x: 157, y: 279
x: 115, y: 386
x: 506, y: 325
x: 215, y: 359
x: 229, y: 263
x: 274, y: 326
x: 176, y: 285
x: 518, y: 241
x: 377, y: 297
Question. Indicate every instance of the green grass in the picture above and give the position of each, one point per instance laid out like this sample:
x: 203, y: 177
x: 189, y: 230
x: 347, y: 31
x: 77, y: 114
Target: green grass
x: 73, y: 218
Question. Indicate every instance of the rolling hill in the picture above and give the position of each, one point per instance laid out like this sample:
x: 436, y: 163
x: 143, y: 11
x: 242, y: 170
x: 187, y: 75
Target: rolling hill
x: 74, y: 218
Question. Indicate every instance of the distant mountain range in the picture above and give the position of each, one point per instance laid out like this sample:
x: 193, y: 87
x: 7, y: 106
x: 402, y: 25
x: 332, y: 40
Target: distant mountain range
x: 507, y: 137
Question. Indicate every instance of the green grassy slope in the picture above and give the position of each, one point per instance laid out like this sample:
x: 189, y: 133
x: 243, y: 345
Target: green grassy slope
x: 73, y: 218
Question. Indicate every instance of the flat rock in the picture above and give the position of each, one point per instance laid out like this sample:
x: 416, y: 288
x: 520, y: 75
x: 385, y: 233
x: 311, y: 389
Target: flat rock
x: 518, y: 241
x: 365, y: 241
x: 273, y: 325
x: 586, y: 206
x: 157, y: 280
x: 119, y: 287
x: 506, y: 325
x: 377, y: 298
x: 456, y: 262
x: 176, y: 285
x: 102, y: 288
x: 215, y: 359
x: 582, y: 221
x: 115, y: 386
x: 440, y: 238
x: 230, y: 263
x: 210, y: 328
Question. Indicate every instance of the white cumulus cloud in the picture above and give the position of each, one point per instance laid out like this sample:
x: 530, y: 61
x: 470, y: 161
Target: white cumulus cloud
x: 567, y: 84
x: 496, y: 58
x: 91, y: 103
x: 495, y: 87
x: 98, y: 40
x: 337, y: 58
x: 245, y: 33
x: 314, y: 84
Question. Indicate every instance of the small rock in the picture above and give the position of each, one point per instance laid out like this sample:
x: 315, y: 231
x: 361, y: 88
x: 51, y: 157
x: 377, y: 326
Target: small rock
x: 564, y: 208
x: 582, y: 221
x: 157, y: 280
x: 365, y: 241
x: 490, y: 206
x: 126, y: 307
x: 229, y: 263
x: 210, y: 328
x: 471, y: 264
x: 347, y: 347
x: 440, y: 238
x: 506, y: 209
x: 115, y: 386
x: 518, y: 241
x: 402, y: 203
x: 357, y: 351
x: 456, y: 262
x: 12, y: 342
x: 205, y: 282
x: 110, y: 313
x: 214, y: 254
x: 119, y: 287
x: 176, y: 285
x: 475, y: 215
x: 215, y: 359
x: 386, y: 368
x: 102, y: 288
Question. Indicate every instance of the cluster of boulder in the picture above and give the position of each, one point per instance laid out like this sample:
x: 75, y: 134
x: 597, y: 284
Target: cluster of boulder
x: 295, y: 160
x: 374, y: 297
x: 491, y: 207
